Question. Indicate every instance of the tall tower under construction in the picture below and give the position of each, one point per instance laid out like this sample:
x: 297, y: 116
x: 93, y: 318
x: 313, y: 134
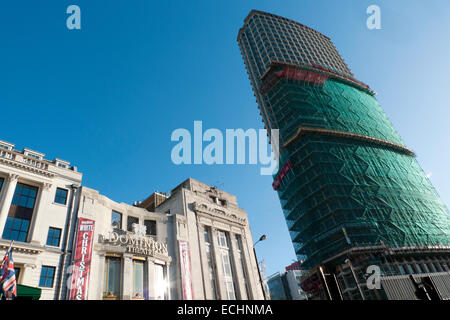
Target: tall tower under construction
x: 353, y: 195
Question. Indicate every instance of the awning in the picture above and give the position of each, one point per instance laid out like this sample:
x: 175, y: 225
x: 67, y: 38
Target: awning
x: 28, y: 293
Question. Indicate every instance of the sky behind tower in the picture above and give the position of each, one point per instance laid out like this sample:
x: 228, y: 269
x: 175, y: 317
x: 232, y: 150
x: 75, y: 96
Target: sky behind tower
x: 107, y: 97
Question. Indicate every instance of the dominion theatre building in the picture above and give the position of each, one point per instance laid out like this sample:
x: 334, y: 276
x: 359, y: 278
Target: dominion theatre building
x: 71, y: 242
x: 353, y: 195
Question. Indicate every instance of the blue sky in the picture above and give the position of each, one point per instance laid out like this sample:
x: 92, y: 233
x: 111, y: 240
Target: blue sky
x: 107, y: 97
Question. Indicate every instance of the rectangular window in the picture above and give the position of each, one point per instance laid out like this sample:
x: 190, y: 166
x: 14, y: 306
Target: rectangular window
x: 130, y: 221
x: 222, y: 239
x: 240, y: 265
x: 401, y: 269
x: 151, y: 227
x: 1, y: 184
x: 20, y: 213
x: 116, y: 220
x: 61, y: 196
x: 210, y: 261
x: 54, y: 235
x: 47, y: 276
x: 138, y: 279
x: 17, y: 274
x: 112, y: 278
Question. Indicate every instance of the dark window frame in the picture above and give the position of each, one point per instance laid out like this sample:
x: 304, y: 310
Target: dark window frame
x: 53, y: 237
x: 58, y: 197
x: 20, y: 214
x: 130, y: 225
x: 147, y: 232
x: 121, y: 218
x: 44, y: 278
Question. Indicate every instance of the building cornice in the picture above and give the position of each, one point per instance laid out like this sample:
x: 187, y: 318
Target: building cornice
x: 217, y: 213
x: 24, y: 248
x: 15, y: 162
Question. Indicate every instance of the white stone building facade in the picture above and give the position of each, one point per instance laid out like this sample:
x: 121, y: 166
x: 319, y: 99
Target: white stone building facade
x: 37, y: 197
x: 194, y: 244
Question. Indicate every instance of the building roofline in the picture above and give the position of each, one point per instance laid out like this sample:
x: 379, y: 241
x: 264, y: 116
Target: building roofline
x: 254, y: 11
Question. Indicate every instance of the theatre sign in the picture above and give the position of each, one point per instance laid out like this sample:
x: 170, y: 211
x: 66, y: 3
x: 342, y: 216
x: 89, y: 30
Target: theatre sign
x: 137, y: 243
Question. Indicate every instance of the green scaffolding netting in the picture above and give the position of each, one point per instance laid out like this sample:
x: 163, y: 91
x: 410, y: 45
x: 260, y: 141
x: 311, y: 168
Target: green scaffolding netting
x: 343, y: 192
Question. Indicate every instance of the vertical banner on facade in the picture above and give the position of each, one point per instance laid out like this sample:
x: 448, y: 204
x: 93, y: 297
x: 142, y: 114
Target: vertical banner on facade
x: 185, y: 265
x: 82, y: 259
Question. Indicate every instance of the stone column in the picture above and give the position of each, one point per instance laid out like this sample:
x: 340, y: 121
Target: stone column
x: 7, y: 199
x: 127, y: 277
x: 222, y: 292
x: 99, y: 281
x: 238, y: 268
x: 204, y: 263
x: 28, y: 275
x: 168, y: 280
x: 150, y: 279
x: 254, y: 283
x: 42, y: 205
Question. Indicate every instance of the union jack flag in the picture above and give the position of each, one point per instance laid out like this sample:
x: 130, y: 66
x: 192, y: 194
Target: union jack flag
x: 8, y: 286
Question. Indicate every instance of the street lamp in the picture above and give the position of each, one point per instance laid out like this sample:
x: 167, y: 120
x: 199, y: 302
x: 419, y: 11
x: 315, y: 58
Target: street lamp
x: 263, y: 237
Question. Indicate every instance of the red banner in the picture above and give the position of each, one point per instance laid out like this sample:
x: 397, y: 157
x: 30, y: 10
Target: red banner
x: 82, y: 259
x: 302, y: 75
x: 279, y: 178
x: 185, y: 265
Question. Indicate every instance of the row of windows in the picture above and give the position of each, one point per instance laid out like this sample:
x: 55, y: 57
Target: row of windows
x: 229, y: 269
x: 46, y: 278
x: 21, y: 211
x: 25, y: 195
x: 116, y: 222
x: 113, y: 278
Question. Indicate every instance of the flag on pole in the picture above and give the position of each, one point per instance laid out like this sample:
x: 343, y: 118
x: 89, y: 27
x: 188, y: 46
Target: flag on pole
x: 8, y: 285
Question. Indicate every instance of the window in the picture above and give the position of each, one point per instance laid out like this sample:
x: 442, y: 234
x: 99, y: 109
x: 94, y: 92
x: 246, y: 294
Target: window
x: 223, y: 202
x: 17, y: 274
x: 410, y: 269
x: 47, y: 276
x: 130, y: 221
x: 228, y: 273
x: 54, y: 235
x: 401, y: 269
x: 418, y: 269
x: 222, y: 238
x: 240, y: 265
x: 112, y: 278
x: 210, y: 261
x: 213, y: 199
x: 20, y: 213
x: 116, y: 220
x: 151, y: 227
x: 61, y: 196
x: 1, y: 183
x: 138, y: 279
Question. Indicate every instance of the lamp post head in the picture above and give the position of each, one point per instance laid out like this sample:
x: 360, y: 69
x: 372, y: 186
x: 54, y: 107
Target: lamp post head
x: 263, y: 237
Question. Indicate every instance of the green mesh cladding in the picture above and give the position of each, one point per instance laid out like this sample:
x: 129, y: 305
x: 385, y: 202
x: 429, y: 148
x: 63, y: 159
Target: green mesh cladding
x: 342, y: 192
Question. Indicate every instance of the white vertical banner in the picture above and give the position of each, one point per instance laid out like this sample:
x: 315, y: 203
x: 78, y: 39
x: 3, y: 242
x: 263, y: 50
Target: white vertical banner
x: 185, y: 265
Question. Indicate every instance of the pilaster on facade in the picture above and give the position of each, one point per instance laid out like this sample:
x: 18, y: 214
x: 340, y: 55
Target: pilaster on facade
x: 222, y: 292
x: 127, y: 288
x: 43, y: 202
x: 7, y: 199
